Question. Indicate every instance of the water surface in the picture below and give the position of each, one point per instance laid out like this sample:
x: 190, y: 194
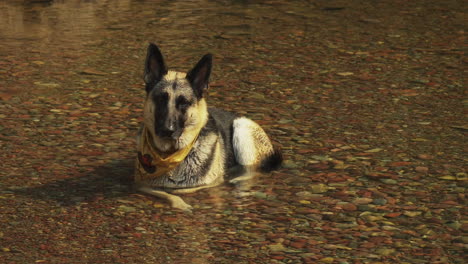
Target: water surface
x: 363, y: 97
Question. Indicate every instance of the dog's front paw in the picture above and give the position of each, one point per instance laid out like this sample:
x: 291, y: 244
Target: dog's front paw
x: 177, y: 202
x: 174, y: 200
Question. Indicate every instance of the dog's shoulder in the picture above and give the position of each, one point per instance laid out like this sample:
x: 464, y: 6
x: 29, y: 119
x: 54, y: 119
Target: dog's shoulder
x: 223, y: 121
x: 222, y: 117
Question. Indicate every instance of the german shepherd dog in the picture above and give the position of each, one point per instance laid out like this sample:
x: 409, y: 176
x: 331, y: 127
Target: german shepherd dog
x: 183, y: 145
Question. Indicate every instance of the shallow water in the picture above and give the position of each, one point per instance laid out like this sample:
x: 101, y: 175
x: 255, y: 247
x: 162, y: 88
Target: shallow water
x: 374, y: 168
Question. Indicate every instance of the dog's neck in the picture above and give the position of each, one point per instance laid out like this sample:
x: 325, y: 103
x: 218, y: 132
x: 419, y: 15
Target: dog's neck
x: 151, y: 164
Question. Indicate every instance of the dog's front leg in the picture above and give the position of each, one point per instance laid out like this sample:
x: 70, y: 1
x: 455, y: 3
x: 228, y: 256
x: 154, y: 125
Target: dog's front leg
x: 174, y: 200
x: 194, y: 189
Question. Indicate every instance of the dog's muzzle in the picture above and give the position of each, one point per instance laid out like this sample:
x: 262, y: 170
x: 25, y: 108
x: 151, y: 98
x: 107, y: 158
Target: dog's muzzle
x: 170, y: 134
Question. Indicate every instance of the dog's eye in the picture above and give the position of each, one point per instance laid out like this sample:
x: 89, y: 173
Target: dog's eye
x: 182, y: 102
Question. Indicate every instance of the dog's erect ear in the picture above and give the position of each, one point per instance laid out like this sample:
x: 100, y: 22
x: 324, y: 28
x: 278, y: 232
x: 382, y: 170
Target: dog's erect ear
x: 199, y: 76
x: 155, y: 68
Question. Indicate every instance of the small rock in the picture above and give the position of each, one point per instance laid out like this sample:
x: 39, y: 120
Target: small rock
x: 297, y: 244
x: 284, y: 121
x: 83, y: 161
x: 345, y: 73
x: 385, y: 251
x: 421, y: 81
x: 327, y: 260
x: 260, y: 195
x: 421, y: 169
x: 362, y: 201
x: 400, y: 164
x: 49, y: 85
x: 123, y: 235
x: 331, y: 246
x: 308, y: 255
x: 370, y: 217
x: 288, y: 164
x: 348, y: 207
x: 454, y: 224
x: 50, y: 117
x: 389, y: 181
x: 320, y: 158
x: 412, y: 213
x: 92, y: 72
x: 448, y: 178
x: 258, y: 96
x: 304, y: 194
x: 127, y: 209
x: 318, y: 188
x: 393, y: 214
x: 425, y: 157
x: 380, y: 201
x: 375, y: 150
x: 276, y: 247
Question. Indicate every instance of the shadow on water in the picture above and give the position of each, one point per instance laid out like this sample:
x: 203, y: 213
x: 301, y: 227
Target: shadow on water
x: 107, y: 181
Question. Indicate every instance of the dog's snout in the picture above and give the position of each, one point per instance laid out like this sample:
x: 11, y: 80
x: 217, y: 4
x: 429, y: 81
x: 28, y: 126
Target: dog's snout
x: 168, y: 129
x: 167, y: 132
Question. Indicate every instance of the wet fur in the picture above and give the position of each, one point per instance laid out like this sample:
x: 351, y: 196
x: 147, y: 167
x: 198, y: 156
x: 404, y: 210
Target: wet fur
x: 176, y: 112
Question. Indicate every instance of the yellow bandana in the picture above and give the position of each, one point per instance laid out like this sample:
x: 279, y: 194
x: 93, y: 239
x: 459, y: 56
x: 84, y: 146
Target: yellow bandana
x: 150, y: 164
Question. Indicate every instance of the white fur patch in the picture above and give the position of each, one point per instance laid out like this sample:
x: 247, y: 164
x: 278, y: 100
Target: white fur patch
x: 243, y: 141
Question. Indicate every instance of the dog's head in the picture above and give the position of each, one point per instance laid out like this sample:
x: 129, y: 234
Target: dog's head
x: 175, y: 110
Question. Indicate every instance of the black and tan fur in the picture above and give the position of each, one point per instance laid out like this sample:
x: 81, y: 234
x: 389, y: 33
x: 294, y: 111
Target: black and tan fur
x: 176, y: 112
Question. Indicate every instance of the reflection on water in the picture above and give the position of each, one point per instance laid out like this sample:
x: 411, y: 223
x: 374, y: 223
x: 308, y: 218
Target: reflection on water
x: 69, y: 22
x: 69, y: 32
x: 44, y: 22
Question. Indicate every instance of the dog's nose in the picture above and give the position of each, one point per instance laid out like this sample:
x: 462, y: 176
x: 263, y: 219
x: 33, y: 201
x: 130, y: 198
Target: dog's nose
x: 167, y: 129
x: 171, y: 127
x: 167, y: 132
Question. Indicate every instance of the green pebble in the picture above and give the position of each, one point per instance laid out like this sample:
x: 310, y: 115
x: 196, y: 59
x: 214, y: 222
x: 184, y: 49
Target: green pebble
x: 389, y: 181
x: 380, y: 201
